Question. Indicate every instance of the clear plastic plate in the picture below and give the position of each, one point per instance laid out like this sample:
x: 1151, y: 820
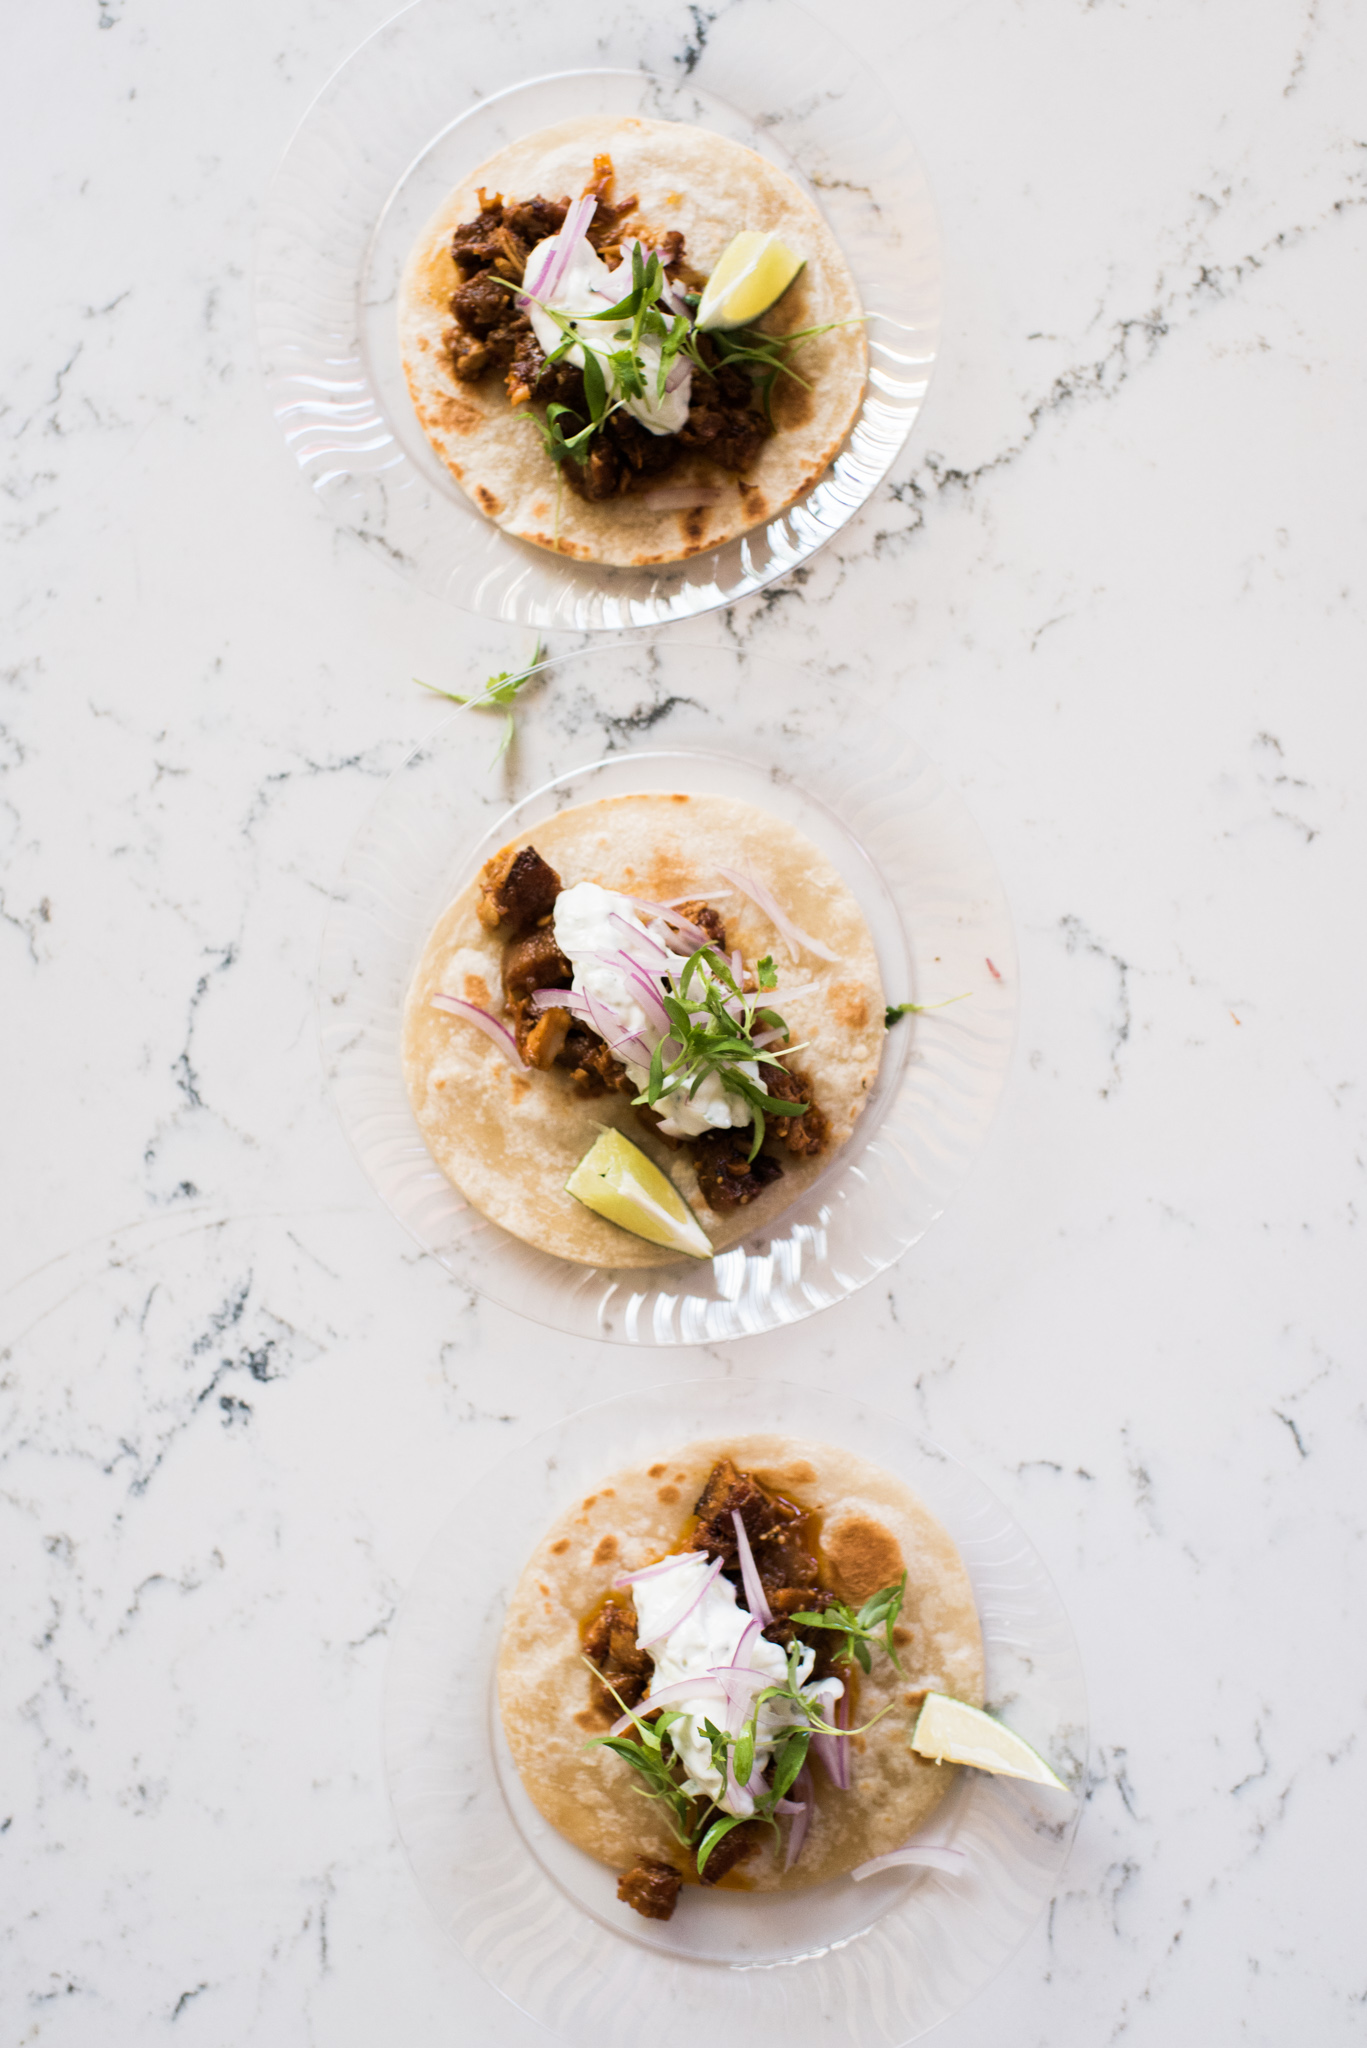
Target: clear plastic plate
x: 666, y: 715
x: 431, y: 95
x: 877, y: 1962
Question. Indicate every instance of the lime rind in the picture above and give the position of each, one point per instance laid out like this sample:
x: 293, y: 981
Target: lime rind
x: 950, y: 1731
x: 618, y: 1182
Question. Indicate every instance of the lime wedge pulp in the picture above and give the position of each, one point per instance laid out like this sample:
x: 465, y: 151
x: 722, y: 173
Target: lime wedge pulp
x: 753, y: 272
x: 616, y: 1180
x: 950, y: 1731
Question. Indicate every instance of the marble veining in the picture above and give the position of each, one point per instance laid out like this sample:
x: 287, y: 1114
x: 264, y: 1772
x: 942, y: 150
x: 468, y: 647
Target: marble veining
x: 1114, y: 588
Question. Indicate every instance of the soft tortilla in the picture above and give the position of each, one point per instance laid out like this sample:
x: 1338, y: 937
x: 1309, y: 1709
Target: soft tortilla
x: 685, y: 178
x: 873, y: 1526
x: 510, y: 1138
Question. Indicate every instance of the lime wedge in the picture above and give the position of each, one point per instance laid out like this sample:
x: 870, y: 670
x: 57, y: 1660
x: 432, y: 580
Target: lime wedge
x: 752, y: 273
x: 950, y: 1731
x: 615, y: 1179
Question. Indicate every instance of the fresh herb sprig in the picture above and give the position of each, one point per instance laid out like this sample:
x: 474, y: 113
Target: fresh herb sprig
x: 894, y: 1011
x: 764, y: 355
x: 498, y: 694
x: 872, y: 1624
x: 622, y: 368
x: 708, y: 1037
x: 699, y: 1824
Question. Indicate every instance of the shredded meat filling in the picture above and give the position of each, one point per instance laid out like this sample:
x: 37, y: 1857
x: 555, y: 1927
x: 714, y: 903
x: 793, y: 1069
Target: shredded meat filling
x: 518, y: 891
x: 488, y: 334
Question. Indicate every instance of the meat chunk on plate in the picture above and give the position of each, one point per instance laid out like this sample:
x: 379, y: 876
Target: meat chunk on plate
x: 651, y: 1889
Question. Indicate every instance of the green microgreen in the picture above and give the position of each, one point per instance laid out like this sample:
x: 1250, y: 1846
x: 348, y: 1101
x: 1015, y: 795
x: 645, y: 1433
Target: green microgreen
x: 896, y: 1010
x: 873, y: 1623
x: 708, y: 1037
x: 498, y: 694
x: 765, y: 356
x: 699, y: 1823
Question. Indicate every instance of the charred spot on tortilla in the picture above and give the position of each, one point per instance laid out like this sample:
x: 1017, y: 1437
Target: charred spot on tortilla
x: 468, y: 326
x: 761, y: 1594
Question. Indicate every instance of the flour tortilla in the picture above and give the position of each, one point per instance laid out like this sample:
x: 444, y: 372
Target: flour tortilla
x: 711, y: 189
x: 873, y: 1526
x: 510, y: 1138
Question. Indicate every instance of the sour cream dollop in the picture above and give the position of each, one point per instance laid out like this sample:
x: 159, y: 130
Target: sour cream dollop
x: 704, y: 1640
x: 589, y: 287
x: 585, y: 932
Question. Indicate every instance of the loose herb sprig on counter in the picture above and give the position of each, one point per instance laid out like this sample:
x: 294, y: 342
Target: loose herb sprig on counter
x: 711, y: 1039
x: 498, y: 694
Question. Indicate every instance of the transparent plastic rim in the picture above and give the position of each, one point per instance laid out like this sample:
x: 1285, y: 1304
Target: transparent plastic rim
x: 921, y: 1944
x: 904, y: 841
x: 437, y: 87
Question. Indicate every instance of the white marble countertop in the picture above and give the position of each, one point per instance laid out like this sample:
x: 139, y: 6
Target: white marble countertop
x: 1116, y: 585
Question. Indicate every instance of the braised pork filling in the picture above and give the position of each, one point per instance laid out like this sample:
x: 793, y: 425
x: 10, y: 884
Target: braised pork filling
x: 781, y: 1554
x: 489, y: 336
x: 518, y: 896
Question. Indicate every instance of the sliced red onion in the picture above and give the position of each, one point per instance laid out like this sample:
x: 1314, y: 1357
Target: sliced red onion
x: 737, y: 966
x: 680, y: 497
x: 558, y: 999
x: 673, y: 296
x: 603, y: 1017
x: 695, y: 935
x: 740, y: 1688
x: 833, y: 1750
x: 684, y: 1611
x: 802, y: 1815
x: 768, y: 903
x: 490, y: 1026
x: 827, y: 1748
x: 762, y: 1039
x: 935, y: 1855
x: 643, y: 984
x: 653, y: 1571
x: 749, y: 1636
x: 670, y: 1696
x: 637, y: 932
x: 749, y: 1576
x: 575, y: 227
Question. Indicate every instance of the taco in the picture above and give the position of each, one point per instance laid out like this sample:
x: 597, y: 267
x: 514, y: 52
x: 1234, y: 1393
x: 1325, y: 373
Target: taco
x: 555, y: 997
x: 767, y: 1595
x: 680, y: 439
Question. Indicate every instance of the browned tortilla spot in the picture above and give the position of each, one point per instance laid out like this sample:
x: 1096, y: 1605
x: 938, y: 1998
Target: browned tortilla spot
x: 454, y: 413
x: 656, y: 1471
x: 667, y: 1496
x: 492, y: 505
x: 606, y: 1550
x: 558, y: 1548
x: 849, y: 1003
x: 863, y: 1557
